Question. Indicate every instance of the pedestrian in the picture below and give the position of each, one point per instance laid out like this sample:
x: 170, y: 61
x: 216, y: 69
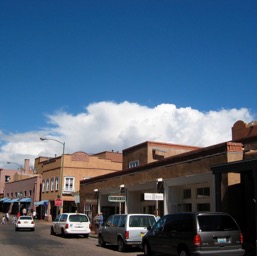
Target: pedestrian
x: 101, y: 219
x: 156, y: 214
x: 3, y: 220
x: 24, y: 211
x: 14, y: 219
x: 97, y: 222
x: 7, y: 217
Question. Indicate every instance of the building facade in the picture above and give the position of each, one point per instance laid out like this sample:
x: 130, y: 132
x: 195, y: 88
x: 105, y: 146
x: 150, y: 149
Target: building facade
x: 61, y: 177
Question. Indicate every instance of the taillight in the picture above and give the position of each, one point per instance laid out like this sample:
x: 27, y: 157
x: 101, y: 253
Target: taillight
x: 19, y: 222
x: 32, y: 222
x: 66, y: 226
x: 126, y: 234
x: 241, y: 238
x: 197, y: 240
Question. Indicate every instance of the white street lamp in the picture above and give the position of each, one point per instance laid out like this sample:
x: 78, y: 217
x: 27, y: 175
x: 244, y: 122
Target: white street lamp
x: 62, y: 163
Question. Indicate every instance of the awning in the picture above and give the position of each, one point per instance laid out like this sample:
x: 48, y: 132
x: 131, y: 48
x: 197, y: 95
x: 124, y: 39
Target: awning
x: 43, y: 202
x: 7, y: 201
x: 26, y: 200
x: 14, y: 200
x: 3, y: 199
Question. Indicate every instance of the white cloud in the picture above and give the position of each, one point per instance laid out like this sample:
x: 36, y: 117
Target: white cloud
x: 112, y: 126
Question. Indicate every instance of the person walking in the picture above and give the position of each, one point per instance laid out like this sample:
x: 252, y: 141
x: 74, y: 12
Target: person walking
x: 3, y: 220
x: 7, y: 217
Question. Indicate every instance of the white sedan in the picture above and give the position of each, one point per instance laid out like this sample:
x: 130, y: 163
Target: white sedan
x: 25, y: 222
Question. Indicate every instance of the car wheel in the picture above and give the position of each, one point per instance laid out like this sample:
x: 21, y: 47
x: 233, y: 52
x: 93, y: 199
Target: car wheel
x: 62, y: 233
x: 183, y: 252
x: 33, y: 229
x: 52, y: 231
x: 101, y: 241
x: 16, y: 229
x: 147, y: 249
x: 121, y: 245
x: 86, y: 235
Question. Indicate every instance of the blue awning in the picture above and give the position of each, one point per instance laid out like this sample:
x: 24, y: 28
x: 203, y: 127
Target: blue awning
x: 43, y: 202
x: 14, y: 200
x: 26, y: 200
x: 7, y: 201
x: 3, y: 199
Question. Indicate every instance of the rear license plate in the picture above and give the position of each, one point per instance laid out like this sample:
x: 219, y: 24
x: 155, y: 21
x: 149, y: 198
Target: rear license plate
x: 222, y: 240
x: 26, y: 222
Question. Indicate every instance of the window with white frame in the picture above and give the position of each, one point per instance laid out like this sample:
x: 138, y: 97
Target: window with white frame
x: 43, y: 186
x: 69, y: 184
x: 52, y: 184
x: 56, y: 183
x: 134, y: 163
x: 47, y: 185
x: 203, y: 192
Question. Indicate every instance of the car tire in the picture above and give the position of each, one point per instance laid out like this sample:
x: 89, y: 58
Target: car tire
x: 86, y: 235
x: 147, y: 249
x: 121, y: 245
x: 52, y: 231
x: 16, y: 229
x: 183, y: 252
x: 33, y: 229
x: 101, y: 241
x: 62, y: 233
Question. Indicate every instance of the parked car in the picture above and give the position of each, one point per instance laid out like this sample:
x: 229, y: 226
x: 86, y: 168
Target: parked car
x: 71, y: 224
x: 25, y: 222
x: 125, y: 230
x: 194, y: 234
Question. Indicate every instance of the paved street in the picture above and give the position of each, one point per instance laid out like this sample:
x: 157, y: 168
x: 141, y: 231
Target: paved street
x: 41, y: 243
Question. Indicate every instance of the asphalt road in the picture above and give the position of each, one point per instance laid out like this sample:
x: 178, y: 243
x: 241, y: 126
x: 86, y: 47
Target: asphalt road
x: 41, y: 243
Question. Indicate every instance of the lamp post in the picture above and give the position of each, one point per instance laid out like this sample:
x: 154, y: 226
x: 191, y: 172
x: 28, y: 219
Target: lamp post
x: 62, y: 163
x: 20, y: 167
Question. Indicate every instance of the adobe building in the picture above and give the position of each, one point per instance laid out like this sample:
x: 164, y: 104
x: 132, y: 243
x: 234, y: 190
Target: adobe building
x: 241, y: 198
x: 201, y: 179
x: 61, y: 178
x: 21, y: 189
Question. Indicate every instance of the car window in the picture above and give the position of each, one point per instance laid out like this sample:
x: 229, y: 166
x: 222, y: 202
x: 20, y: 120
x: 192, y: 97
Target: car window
x: 57, y: 218
x: 115, y: 221
x: 122, y: 221
x: 141, y: 221
x: 25, y: 218
x: 63, y: 218
x: 216, y: 223
x: 109, y: 222
x: 78, y: 218
x: 179, y: 223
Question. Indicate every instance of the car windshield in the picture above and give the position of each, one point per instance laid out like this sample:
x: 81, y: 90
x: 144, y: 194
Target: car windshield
x: 78, y: 218
x: 141, y: 221
x: 25, y: 218
x: 216, y: 223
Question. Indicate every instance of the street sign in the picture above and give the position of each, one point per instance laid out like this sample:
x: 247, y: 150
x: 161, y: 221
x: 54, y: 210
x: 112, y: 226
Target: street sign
x: 153, y: 196
x: 118, y: 198
x: 58, y: 202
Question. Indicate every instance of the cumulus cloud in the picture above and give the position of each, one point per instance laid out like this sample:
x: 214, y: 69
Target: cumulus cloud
x: 114, y: 126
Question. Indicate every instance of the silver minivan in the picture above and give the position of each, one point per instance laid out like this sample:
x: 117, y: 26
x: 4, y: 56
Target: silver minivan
x: 125, y: 230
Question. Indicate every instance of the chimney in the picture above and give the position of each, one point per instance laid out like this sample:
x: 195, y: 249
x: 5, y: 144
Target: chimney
x: 26, y: 165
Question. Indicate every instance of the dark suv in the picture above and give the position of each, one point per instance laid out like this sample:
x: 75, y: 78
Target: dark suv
x: 194, y: 234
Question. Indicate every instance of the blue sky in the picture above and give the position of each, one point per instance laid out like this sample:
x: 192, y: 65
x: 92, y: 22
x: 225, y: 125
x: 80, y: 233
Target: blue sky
x: 108, y: 74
